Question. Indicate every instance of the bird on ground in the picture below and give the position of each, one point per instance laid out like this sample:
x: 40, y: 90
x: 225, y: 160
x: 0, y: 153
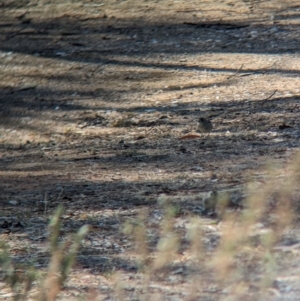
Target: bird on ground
x: 204, y: 125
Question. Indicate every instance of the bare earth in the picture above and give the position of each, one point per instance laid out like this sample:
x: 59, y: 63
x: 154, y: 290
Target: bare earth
x: 95, y: 100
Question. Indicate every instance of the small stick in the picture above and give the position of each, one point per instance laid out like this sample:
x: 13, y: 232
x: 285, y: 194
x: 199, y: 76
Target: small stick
x: 270, y: 95
x: 230, y: 76
x: 186, y: 10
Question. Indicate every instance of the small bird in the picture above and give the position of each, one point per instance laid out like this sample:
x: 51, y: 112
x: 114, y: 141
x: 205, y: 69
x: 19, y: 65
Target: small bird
x: 204, y: 125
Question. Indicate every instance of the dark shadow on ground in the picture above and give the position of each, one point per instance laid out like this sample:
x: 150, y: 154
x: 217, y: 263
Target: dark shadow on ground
x: 101, y: 38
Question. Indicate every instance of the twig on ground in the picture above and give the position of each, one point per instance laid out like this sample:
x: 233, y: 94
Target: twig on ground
x: 270, y: 96
x: 230, y: 76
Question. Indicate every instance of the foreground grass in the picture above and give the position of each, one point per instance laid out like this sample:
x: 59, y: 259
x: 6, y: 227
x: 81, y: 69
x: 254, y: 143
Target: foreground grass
x: 21, y: 279
x: 242, y: 258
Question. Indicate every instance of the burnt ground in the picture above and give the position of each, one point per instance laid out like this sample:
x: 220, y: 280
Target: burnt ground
x: 95, y: 100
